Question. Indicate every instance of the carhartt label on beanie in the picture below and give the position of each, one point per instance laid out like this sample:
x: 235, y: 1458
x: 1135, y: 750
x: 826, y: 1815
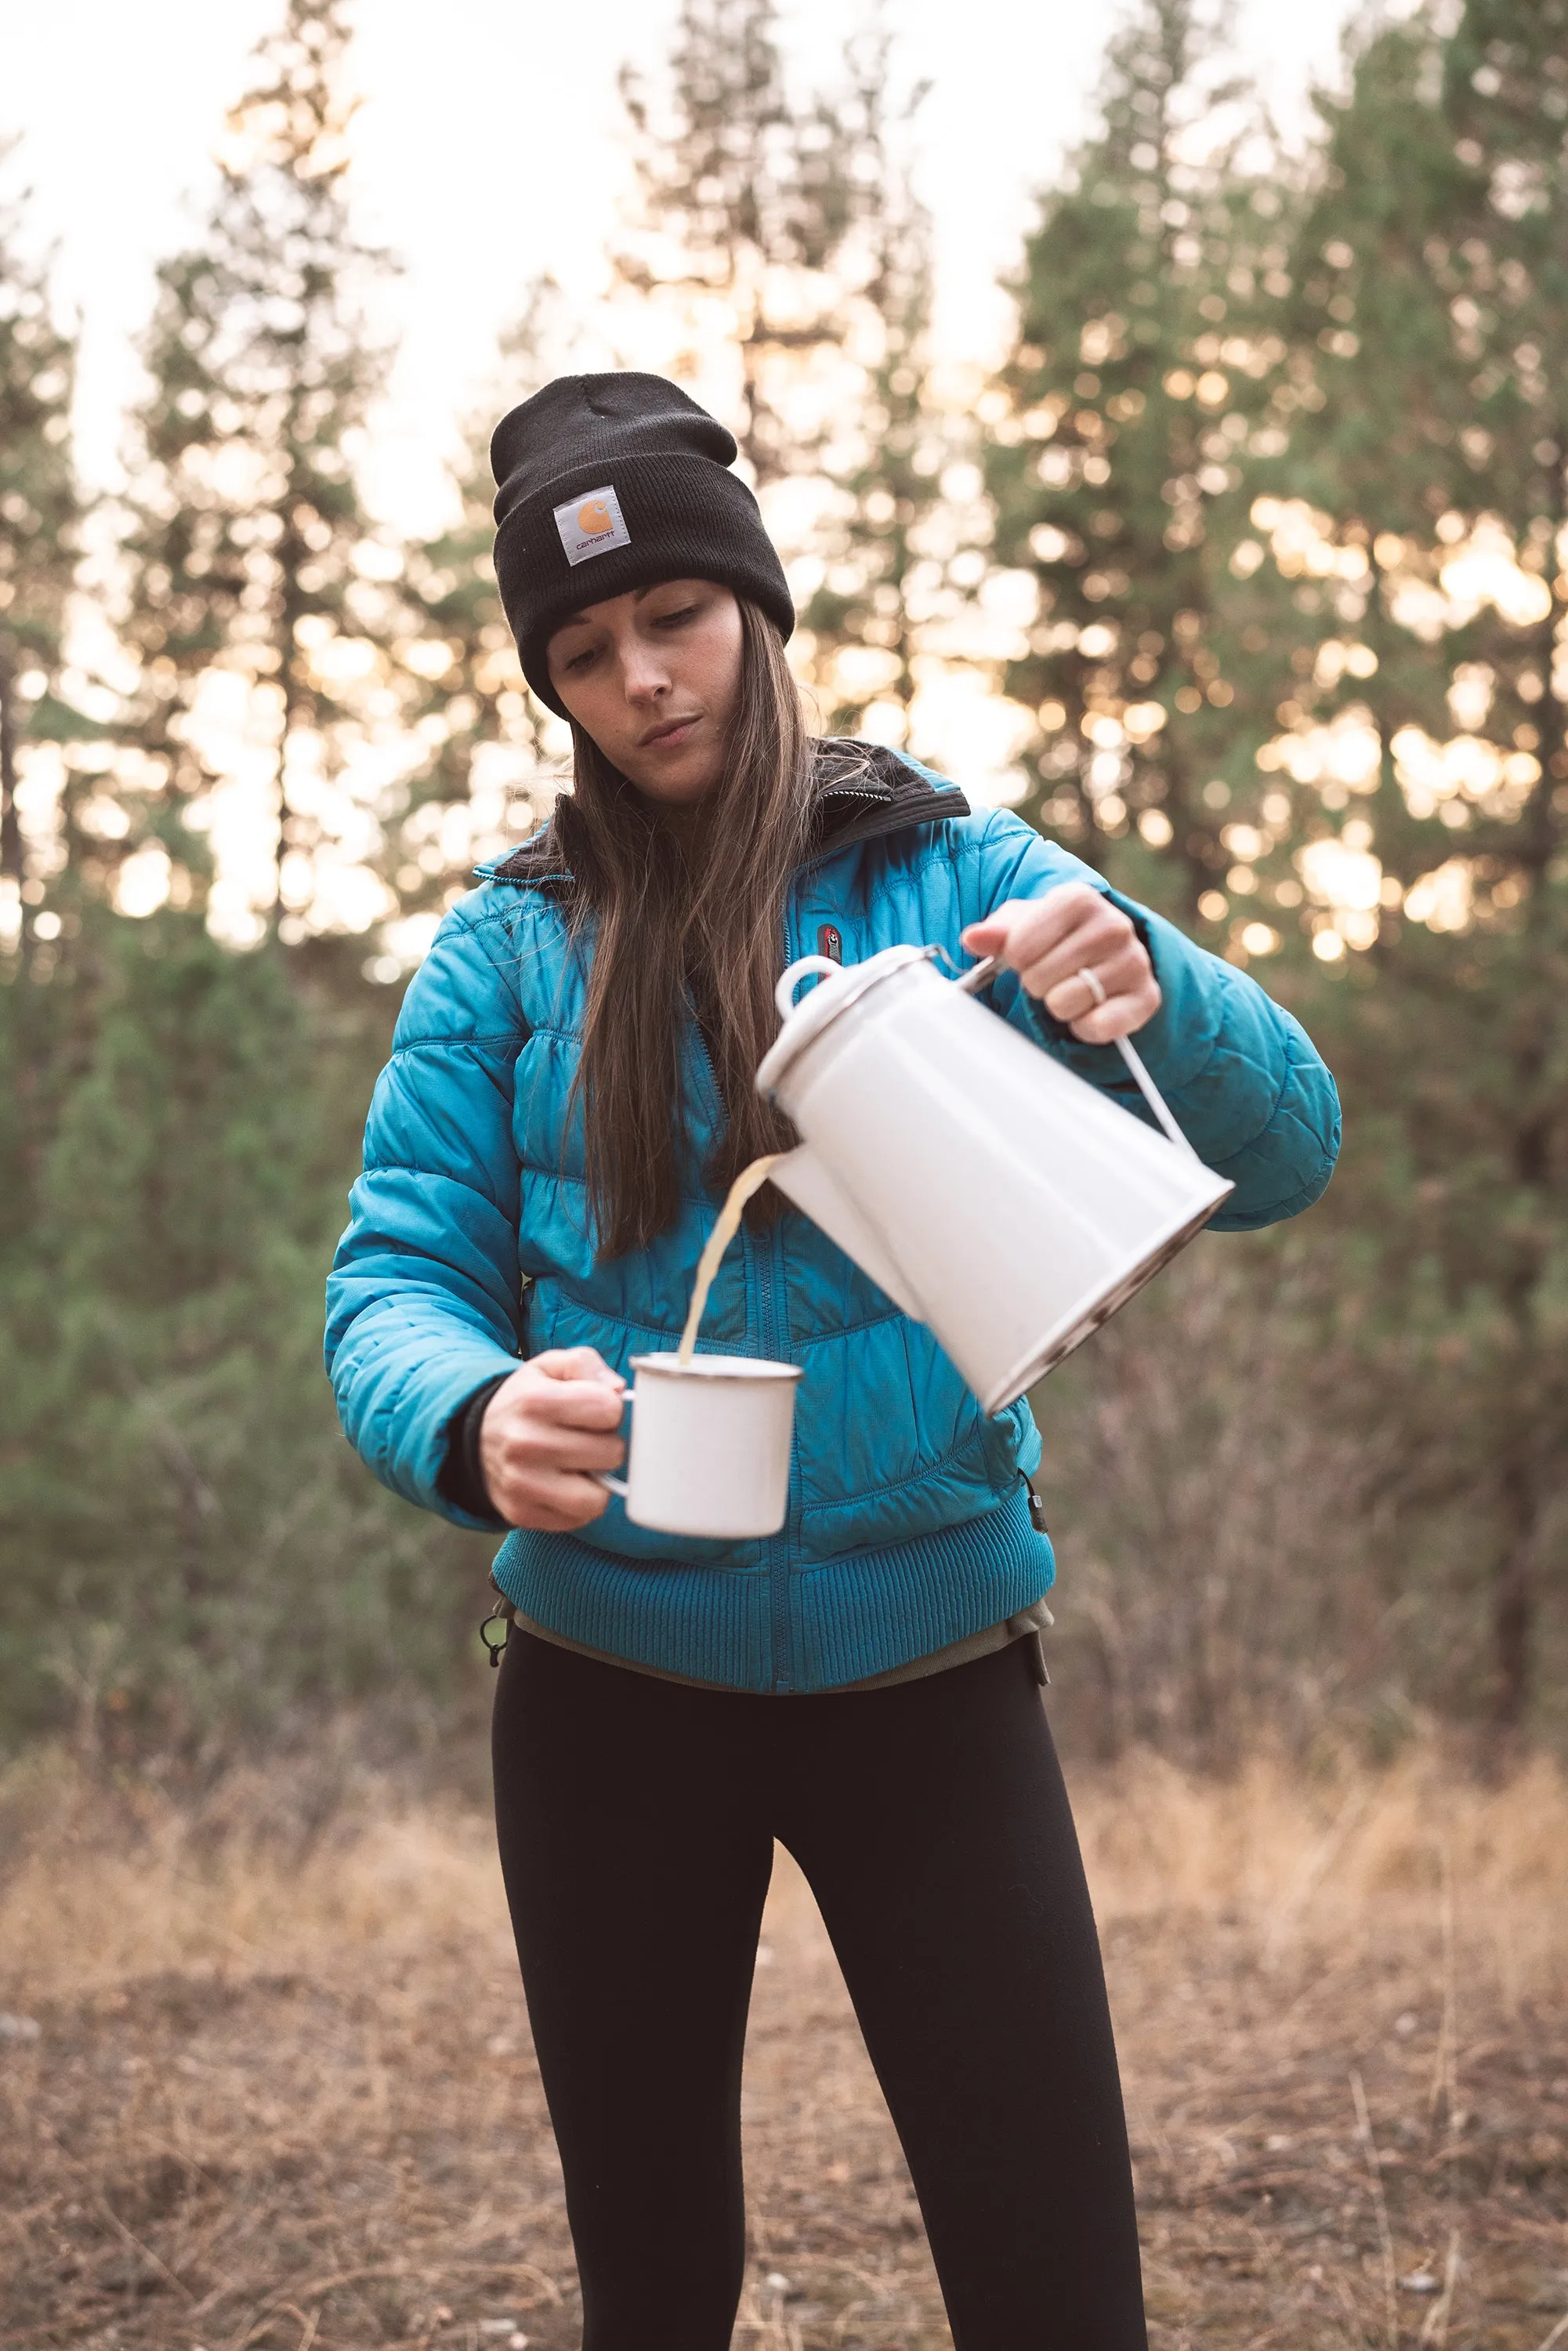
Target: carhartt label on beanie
x: 610, y: 483
x: 591, y: 526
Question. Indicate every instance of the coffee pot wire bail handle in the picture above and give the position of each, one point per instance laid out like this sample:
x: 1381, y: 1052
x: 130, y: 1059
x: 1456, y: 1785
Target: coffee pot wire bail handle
x: 981, y: 974
x: 1152, y: 1096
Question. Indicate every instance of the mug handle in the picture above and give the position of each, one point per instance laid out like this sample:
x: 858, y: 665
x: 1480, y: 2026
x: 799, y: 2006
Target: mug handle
x: 616, y: 1485
x: 784, y: 993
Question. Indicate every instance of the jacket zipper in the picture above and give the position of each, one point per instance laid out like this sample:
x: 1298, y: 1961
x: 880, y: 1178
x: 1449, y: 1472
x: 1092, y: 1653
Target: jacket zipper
x: 773, y: 1288
x: 770, y: 1284
x: 759, y: 1319
x: 764, y: 1274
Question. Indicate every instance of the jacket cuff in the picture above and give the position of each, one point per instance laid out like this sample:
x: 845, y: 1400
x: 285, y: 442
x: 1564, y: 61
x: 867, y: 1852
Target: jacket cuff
x: 461, y: 1477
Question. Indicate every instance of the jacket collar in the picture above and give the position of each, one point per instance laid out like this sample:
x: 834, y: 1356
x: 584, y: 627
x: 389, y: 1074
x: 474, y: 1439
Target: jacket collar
x: 861, y: 792
x: 865, y: 790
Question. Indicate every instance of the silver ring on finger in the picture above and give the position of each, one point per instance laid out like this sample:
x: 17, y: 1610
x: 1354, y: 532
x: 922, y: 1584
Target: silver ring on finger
x: 1093, y: 983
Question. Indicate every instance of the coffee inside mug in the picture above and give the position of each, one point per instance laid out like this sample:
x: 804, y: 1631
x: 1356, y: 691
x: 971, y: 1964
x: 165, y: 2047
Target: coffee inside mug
x: 709, y: 1452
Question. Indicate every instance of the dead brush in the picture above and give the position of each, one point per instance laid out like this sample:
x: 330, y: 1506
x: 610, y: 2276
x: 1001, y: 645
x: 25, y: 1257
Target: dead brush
x: 107, y: 1887
x: 280, y: 2088
x: 1304, y: 1859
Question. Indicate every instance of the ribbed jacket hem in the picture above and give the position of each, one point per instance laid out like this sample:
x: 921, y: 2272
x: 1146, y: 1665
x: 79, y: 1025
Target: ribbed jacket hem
x: 849, y: 1618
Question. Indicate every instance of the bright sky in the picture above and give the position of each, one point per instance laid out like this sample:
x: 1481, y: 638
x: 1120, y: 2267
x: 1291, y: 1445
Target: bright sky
x: 487, y: 150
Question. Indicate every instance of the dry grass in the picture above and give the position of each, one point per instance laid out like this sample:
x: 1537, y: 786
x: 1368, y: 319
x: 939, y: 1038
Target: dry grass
x: 280, y: 2092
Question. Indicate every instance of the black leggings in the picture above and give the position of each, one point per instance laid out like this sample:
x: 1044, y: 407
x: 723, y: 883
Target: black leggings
x: 636, y: 1820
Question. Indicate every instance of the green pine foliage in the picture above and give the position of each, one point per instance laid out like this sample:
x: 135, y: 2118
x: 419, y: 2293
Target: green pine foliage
x: 44, y: 1027
x: 487, y: 781
x: 1433, y: 301
x: 1136, y: 397
x: 40, y: 515
x: 264, y: 610
x: 1367, y: 623
x: 780, y: 240
x: 1276, y: 466
x: 741, y: 203
x: 185, y: 1538
x: 183, y: 1533
x: 880, y: 573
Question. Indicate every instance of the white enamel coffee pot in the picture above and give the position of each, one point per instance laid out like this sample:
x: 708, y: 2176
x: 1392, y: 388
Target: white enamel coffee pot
x: 989, y: 1191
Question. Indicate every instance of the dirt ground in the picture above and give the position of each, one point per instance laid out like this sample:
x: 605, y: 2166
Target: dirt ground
x: 260, y: 2087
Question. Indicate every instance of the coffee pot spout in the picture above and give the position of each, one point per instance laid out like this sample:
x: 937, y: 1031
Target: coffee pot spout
x: 802, y: 1178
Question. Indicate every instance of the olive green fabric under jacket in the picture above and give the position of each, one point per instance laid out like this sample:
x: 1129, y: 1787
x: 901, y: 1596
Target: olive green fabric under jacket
x: 1035, y: 1620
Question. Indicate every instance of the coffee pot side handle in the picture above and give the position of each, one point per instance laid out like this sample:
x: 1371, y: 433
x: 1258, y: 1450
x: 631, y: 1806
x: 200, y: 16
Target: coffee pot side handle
x: 788, y: 981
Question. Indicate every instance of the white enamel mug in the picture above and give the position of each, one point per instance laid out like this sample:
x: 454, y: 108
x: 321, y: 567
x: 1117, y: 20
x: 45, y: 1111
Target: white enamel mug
x: 710, y: 1445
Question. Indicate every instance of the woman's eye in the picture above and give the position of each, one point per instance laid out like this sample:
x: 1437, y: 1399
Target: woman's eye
x: 674, y: 620
x: 581, y: 660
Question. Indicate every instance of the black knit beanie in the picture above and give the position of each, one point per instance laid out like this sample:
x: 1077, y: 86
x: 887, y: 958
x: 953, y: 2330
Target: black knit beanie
x: 607, y: 483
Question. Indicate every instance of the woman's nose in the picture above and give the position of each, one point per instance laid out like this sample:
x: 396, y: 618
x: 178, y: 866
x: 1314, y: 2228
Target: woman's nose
x: 644, y: 675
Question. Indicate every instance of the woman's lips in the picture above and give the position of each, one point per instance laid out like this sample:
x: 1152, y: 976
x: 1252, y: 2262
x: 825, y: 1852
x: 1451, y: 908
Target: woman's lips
x: 669, y: 737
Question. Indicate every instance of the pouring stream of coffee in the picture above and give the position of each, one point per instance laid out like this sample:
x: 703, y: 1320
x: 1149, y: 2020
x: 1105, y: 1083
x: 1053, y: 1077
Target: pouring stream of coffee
x: 750, y: 1179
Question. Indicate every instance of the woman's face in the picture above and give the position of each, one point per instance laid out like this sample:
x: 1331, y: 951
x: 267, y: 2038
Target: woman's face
x: 653, y: 676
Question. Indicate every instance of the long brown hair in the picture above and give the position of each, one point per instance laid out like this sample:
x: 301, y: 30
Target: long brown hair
x: 684, y: 924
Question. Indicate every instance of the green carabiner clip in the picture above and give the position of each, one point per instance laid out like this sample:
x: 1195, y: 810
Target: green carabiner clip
x: 502, y: 1613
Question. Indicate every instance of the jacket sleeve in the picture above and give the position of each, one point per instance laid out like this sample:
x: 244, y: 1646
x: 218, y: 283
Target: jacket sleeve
x: 1241, y: 1076
x: 423, y: 1301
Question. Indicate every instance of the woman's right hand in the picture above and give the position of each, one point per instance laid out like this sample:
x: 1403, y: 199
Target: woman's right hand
x: 544, y: 1429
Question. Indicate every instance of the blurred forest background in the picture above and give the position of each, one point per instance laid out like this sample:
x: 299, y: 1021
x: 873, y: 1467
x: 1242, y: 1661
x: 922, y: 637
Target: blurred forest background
x: 1245, y: 576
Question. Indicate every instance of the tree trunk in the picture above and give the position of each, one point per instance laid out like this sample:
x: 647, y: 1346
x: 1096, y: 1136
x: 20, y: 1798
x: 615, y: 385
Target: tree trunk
x: 1515, y: 1602
x: 10, y: 823
x: 1516, y: 1583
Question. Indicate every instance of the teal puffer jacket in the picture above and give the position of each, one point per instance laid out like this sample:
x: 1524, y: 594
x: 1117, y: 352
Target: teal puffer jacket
x: 908, y: 1525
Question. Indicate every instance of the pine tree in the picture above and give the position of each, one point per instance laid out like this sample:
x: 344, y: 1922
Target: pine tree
x: 1370, y: 409
x: 183, y: 1120
x: 783, y: 243
x: 1420, y: 570
x: 262, y: 606
x: 48, y: 965
x: 471, y: 706
x: 741, y: 203
x: 173, y: 1486
x: 1135, y: 398
x: 40, y: 515
x: 882, y: 574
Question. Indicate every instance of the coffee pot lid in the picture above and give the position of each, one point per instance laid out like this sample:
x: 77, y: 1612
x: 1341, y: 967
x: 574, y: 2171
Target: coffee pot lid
x: 838, y: 986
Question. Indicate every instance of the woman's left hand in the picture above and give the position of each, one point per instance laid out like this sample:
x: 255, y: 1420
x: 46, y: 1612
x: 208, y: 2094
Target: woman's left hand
x: 1051, y: 942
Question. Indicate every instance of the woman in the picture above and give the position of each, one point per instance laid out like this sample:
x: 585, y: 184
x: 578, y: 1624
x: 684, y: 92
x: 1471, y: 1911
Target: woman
x: 569, y: 1094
